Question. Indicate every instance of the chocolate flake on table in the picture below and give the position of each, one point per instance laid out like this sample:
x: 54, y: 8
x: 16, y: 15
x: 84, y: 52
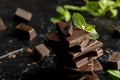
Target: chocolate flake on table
x: 25, y: 32
x: 41, y: 50
x: 114, y: 61
x: 23, y: 14
x: 2, y: 25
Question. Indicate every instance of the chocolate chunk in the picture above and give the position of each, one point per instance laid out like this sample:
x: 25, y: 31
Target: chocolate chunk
x: 2, y: 25
x: 25, y: 32
x: 89, y: 67
x: 69, y: 29
x: 82, y: 60
x: 41, y: 50
x: 91, y: 46
x: 114, y: 61
x: 54, y: 37
x: 23, y: 14
x: 77, y: 35
x: 91, y: 77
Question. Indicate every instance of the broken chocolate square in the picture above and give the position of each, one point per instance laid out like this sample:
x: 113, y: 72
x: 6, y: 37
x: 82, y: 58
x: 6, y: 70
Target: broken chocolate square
x: 114, y: 61
x: 41, y: 50
x: 23, y: 14
x: 25, y: 32
x: 2, y: 25
x: 78, y: 36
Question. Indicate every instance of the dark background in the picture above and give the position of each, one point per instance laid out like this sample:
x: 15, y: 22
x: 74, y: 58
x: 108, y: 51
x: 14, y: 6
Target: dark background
x: 24, y: 66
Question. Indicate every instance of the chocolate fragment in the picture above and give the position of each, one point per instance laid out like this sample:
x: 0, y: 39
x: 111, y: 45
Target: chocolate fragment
x: 114, y: 61
x: 92, y: 77
x: 92, y: 66
x: 25, y: 32
x: 77, y: 35
x: 69, y: 29
x: 23, y: 14
x: 2, y: 25
x: 41, y: 50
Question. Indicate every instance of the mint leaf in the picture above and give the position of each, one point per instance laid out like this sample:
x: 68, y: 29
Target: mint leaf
x: 89, y: 28
x: 94, y: 34
x: 78, y: 21
x: 56, y: 19
x: 60, y: 10
x: 67, y: 15
x: 114, y: 73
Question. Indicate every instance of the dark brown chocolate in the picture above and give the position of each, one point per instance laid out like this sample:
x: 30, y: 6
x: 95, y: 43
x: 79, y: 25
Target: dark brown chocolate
x: 69, y: 29
x: 25, y: 32
x: 78, y: 36
x: 23, y: 14
x: 82, y: 60
x: 2, y: 25
x: 91, y: 46
x: 91, y: 77
x: 41, y: 50
x: 89, y: 67
x: 114, y: 61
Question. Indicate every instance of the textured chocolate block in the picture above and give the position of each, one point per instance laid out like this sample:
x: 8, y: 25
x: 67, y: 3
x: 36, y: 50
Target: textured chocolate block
x: 41, y: 50
x: 2, y: 25
x: 114, y: 61
x: 23, y: 14
x: 77, y: 35
x: 25, y: 32
x: 91, y: 46
x: 88, y: 67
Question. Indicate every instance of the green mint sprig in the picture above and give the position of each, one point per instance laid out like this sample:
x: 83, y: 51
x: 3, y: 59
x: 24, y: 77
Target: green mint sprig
x: 113, y: 74
x: 80, y: 23
x: 97, y: 8
x: 64, y: 15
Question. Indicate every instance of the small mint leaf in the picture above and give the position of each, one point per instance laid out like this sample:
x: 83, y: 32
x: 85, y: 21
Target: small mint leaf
x: 55, y: 19
x: 94, y: 34
x: 67, y: 15
x: 78, y: 20
x: 89, y: 28
x: 60, y: 10
x: 114, y: 73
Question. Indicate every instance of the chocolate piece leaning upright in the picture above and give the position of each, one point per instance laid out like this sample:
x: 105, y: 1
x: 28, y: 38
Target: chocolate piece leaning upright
x: 23, y: 14
x: 114, y: 61
x: 25, y: 32
x: 77, y: 37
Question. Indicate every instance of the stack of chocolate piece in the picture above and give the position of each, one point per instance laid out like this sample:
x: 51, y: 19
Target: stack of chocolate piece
x: 75, y: 50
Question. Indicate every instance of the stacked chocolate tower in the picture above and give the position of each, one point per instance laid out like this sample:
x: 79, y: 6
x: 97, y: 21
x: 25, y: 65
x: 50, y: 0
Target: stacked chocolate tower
x: 75, y: 50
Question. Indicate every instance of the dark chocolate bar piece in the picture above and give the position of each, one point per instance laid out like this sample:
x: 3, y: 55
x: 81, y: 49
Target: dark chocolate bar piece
x: 2, y: 25
x: 77, y: 37
x: 69, y: 29
x: 91, y: 77
x: 114, y: 61
x: 88, y: 67
x: 41, y: 50
x: 25, y: 32
x: 54, y: 37
x: 91, y: 46
x: 23, y: 14
x: 82, y: 60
